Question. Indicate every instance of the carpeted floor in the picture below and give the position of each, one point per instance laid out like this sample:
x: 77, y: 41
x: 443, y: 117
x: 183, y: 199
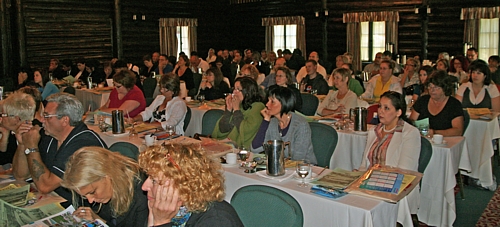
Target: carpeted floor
x: 491, y: 214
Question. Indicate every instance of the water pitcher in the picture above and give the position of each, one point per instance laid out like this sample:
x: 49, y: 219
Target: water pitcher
x: 275, y: 152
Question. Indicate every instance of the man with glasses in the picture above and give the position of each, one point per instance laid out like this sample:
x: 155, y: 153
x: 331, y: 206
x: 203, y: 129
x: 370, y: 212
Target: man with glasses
x: 43, y: 156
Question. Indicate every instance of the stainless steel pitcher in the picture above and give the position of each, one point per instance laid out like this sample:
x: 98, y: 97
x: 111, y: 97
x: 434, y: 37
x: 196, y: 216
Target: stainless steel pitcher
x: 360, y: 114
x: 275, y: 152
x: 117, y: 122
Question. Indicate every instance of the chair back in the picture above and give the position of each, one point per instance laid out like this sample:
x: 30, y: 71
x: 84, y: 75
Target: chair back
x: 259, y: 205
x: 309, y: 104
x: 371, y: 109
x: 324, y: 140
x: 466, y: 121
x: 197, y: 80
x: 70, y: 90
x: 209, y: 121
x: 149, y: 86
x: 126, y: 149
x: 425, y: 154
x: 187, y: 119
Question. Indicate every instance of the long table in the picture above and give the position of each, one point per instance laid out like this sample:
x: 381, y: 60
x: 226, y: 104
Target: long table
x: 350, y: 210
x: 92, y: 98
x: 437, y: 200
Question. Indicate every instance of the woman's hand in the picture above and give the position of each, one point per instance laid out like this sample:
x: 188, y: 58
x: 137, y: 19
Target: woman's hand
x: 165, y: 205
x: 86, y: 213
x: 229, y: 102
x: 265, y: 114
x: 236, y: 101
x: 340, y: 108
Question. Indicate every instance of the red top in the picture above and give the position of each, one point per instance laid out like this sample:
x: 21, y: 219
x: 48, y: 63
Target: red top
x: 134, y: 94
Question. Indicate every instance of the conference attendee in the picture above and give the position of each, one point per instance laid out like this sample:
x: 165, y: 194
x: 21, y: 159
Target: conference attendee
x: 282, y: 123
x: 421, y: 88
x: 341, y: 100
x: 410, y: 75
x: 24, y: 77
x: 494, y: 63
x: 125, y: 96
x: 472, y: 54
x: 184, y: 73
x: 235, y: 67
x: 284, y: 78
x: 214, y: 87
x: 271, y: 78
x: 185, y: 187
x: 149, y: 67
x: 444, y: 112
x: 385, y: 81
x: 16, y: 109
x: 242, y: 117
x: 320, y: 69
x: 82, y: 73
x: 163, y: 66
x: 155, y: 57
x: 111, y: 185
x: 197, y: 64
x: 43, y: 156
x: 95, y: 72
x: 211, y: 56
x: 354, y: 83
x: 480, y: 91
x: 45, y: 86
x: 394, y: 142
x: 313, y: 80
x: 249, y: 70
x: 167, y: 108
x: 373, y: 68
x: 443, y: 64
x: 459, y: 69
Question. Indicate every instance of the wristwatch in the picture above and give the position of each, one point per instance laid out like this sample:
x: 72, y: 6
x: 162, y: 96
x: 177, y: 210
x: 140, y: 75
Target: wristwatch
x: 30, y: 150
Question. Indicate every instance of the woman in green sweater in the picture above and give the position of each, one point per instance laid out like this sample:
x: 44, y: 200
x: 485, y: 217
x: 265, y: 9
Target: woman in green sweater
x: 241, y: 119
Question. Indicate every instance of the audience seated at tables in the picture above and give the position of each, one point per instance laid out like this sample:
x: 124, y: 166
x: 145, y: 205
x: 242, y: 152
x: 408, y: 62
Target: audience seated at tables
x: 282, y: 123
x: 320, y: 69
x: 284, y: 78
x: 82, y: 73
x: 185, y: 187
x: 167, y: 108
x: 373, y: 68
x: 163, y: 66
x: 197, y: 64
x: 182, y: 70
x: 444, y: 111
x: 241, y: 119
x: 313, y: 80
x: 111, y: 185
x: 458, y: 68
x: 271, y: 78
x: 354, y: 83
x: 341, y: 100
x: 43, y: 156
x: 214, y: 87
x: 108, y: 71
x: 126, y: 95
x: 421, y: 88
x: 385, y: 81
x: 16, y: 109
x: 45, y: 86
x: 394, y: 142
x: 95, y: 72
x: 410, y: 75
x: 480, y: 91
x: 251, y: 71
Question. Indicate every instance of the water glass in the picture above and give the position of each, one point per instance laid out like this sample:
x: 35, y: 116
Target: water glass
x: 170, y: 130
x: 424, y: 129
x: 303, y: 169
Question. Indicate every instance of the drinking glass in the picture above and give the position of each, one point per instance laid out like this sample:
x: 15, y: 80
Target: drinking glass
x: 303, y: 169
x: 170, y: 130
x: 243, y: 154
x: 133, y: 133
x: 201, y: 98
x: 424, y: 130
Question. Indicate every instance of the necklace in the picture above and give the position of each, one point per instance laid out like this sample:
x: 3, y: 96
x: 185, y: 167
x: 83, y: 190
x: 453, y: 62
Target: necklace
x: 390, y: 130
x: 285, y: 124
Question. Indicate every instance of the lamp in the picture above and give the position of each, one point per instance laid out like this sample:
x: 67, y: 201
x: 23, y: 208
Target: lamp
x: 320, y: 13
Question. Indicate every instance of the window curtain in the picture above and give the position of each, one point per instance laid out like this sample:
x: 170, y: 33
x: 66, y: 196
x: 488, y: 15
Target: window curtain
x: 353, y: 21
x: 472, y: 17
x: 168, y: 34
x: 269, y: 22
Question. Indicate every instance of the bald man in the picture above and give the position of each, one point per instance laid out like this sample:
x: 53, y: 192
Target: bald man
x: 320, y: 69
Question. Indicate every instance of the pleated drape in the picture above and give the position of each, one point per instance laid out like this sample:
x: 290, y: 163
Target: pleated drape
x: 354, y: 43
x: 269, y: 22
x: 472, y: 17
x: 168, y: 34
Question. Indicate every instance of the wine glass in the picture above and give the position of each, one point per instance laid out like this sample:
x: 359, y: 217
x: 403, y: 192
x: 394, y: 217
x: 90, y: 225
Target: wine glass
x: 303, y: 169
x: 243, y: 154
x: 424, y: 130
x: 201, y: 98
x: 133, y: 133
x: 170, y: 130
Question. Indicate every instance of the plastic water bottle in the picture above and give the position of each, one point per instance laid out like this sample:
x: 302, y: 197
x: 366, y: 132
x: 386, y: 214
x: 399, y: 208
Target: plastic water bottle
x: 375, y: 120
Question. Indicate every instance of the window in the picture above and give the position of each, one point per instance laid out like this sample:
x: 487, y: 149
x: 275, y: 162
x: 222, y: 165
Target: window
x: 372, y: 39
x: 285, y: 37
x: 182, y: 39
x: 488, y: 38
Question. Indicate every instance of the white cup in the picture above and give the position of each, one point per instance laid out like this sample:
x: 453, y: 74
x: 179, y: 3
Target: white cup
x: 188, y: 99
x: 231, y: 158
x: 100, y: 85
x: 437, y: 139
x: 150, y: 140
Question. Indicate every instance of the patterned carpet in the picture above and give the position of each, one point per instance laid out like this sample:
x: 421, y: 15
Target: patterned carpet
x: 491, y: 214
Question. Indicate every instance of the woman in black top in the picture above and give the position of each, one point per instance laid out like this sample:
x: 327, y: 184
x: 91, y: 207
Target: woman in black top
x: 214, y: 87
x: 182, y: 70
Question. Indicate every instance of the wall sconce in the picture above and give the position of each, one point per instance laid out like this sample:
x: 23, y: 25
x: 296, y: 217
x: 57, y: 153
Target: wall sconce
x: 321, y: 13
x: 142, y: 16
x: 427, y: 8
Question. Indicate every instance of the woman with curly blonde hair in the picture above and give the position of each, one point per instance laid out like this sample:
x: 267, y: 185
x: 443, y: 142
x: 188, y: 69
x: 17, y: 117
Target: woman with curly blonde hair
x: 185, y: 188
x: 110, y: 182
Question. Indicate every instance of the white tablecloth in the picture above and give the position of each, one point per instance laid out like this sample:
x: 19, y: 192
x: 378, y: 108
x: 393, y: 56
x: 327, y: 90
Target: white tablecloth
x: 195, y: 124
x: 437, y: 205
x: 350, y: 210
x: 92, y: 98
x: 479, y: 136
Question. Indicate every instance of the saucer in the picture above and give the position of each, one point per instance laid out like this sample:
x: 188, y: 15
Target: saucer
x: 110, y: 133
x: 307, y: 180
x: 443, y: 144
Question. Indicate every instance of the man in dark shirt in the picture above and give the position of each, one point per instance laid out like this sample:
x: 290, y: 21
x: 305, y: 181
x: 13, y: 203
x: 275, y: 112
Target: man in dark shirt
x: 44, y: 157
x: 314, y: 80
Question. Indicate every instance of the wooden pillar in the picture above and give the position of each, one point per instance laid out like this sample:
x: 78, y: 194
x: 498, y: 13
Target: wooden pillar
x: 424, y: 18
x: 118, y: 29
x: 5, y: 40
x: 325, y: 30
x: 21, y: 34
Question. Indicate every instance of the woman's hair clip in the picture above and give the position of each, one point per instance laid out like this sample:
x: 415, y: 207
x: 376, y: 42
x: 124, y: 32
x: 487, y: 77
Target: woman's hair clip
x: 171, y: 160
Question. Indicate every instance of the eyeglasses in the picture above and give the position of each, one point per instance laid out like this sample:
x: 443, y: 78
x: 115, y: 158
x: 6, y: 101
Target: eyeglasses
x: 45, y: 115
x: 6, y: 115
x: 433, y: 87
x: 117, y: 86
x: 237, y: 89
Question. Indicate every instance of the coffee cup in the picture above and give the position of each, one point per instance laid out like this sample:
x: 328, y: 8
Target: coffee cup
x: 231, y: 158
x: 188, y: 99
x: 150, y: 140
x: 437, y: 139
